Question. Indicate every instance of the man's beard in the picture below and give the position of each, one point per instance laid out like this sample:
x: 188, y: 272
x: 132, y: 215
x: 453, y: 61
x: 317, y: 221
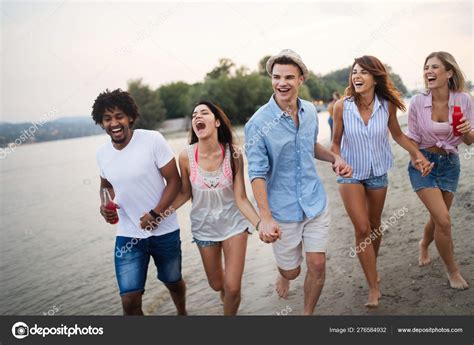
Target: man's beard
x: 119, y: 141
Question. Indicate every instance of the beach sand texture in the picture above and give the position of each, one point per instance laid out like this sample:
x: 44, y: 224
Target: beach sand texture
x: 406, y: 288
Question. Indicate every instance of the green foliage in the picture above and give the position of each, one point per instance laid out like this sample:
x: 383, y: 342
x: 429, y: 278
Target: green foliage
x: 262, y: 65
x: 321, y: 88
x: 150, y: 106
x: 223, y: 69
x: 239, y: 96
x: 238, y: 90
x: 176, y: 99
x: 399, y: 83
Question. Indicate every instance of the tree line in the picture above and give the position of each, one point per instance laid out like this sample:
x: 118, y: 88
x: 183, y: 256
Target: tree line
x: 238, y: 90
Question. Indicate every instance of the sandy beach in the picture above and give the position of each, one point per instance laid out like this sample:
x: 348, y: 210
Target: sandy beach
x: 406, y: 288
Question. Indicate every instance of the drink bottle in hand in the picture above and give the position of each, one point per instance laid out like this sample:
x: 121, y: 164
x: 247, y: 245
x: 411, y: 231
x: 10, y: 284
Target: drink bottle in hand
x: 109, y: 204
x: 457, y: 116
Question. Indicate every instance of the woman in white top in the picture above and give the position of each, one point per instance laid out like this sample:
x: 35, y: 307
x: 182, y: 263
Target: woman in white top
x: 212, y: 175
x: 362, y: 122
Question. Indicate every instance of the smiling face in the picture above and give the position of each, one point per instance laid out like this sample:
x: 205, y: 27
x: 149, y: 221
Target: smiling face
x: 204, y: 122
x: 435, y: 74
x: 362, y: 80
x: 117, y: 124
x: 286, y: 81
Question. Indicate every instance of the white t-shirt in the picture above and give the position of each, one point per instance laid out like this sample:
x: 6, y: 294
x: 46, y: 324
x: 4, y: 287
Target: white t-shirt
x: 138, y: 184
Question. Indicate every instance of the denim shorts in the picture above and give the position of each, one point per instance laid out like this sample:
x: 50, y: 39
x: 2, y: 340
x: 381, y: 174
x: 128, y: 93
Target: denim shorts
x: 203, y: 244
x: 444, y: 175
x: 132, y: 256
x: 373, y: 182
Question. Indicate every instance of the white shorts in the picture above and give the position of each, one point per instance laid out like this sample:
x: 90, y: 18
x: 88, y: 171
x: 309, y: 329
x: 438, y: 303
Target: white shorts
x: 310, y: 233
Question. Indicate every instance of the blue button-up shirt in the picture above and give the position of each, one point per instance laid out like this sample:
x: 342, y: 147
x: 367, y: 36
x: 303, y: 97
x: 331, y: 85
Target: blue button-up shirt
x: 283, y: 155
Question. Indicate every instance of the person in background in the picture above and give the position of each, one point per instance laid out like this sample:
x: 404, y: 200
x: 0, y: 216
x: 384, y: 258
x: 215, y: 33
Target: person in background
x: 335, y: 97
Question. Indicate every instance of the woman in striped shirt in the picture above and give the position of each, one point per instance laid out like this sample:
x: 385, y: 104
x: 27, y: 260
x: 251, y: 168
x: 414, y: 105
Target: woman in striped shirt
x: 362, y: 122
x: 430, y: 127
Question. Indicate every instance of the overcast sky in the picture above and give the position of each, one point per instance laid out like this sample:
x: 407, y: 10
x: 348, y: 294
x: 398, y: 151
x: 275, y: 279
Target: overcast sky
x: 56, y: 57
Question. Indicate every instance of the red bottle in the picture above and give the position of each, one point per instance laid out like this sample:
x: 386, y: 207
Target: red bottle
x: 457, y: 116
x: 109, y: 204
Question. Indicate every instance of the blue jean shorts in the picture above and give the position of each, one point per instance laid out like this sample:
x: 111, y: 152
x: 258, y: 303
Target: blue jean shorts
x: 373, y: 182
x: 444, y: 175
x: 203, y: 244
x: 132, y: 256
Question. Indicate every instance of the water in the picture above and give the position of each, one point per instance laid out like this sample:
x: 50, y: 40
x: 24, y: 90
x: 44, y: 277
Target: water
x: 56, y: 253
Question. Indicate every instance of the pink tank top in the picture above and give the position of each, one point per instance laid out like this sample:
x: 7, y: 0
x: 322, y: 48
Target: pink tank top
x: 441, y: 129
x: 214, y: 213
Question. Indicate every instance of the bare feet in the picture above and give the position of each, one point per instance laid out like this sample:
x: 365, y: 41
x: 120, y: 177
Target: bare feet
x: 424, y: 258
x: 282, y: 286
x: 457, y: 281
x: 373, y: 300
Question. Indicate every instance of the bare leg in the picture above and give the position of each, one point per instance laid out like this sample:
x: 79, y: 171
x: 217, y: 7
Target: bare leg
x: 234, y: 257
x: 434, y: 202
x: 132, y: 303
x: 354, y: 198
x: 212, y: 261
x: 428, y: 233
x: 282, y: 286
x: 314, y: 281
x: 375, y: 204
x: 283, y: 280
x: 428, y: 237
x: 178, y: 294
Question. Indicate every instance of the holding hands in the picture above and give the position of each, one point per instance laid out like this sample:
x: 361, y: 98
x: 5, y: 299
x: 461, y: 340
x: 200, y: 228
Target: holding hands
x: 269, y: 230
x: 421, y: 163
x: 341, y: 168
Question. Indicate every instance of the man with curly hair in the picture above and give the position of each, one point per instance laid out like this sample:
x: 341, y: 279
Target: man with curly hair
x: 138, y: 169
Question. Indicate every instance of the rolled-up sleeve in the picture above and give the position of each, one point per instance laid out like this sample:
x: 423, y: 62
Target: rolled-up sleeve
x: 256, y: 152
x: 413, y: 129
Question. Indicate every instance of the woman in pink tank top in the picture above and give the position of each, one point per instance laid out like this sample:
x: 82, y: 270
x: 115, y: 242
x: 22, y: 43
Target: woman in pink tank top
x: 212, y: 176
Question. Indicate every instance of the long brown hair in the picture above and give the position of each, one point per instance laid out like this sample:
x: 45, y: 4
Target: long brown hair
x: 456, y: 82
x: 224, y: 131
x: 384, y: 87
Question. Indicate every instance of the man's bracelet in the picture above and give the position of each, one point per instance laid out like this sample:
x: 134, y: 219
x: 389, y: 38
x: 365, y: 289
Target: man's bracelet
x: 155, y: 215
x: 256, y: 226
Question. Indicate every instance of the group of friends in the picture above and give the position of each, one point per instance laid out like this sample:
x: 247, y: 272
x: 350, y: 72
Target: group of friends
x: 139, y: 170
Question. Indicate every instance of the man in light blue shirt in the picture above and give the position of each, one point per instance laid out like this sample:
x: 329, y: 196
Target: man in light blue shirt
x: 280, y: 143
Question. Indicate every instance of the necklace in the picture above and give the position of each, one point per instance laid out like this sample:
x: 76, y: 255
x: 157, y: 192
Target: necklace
x: 368, y: 105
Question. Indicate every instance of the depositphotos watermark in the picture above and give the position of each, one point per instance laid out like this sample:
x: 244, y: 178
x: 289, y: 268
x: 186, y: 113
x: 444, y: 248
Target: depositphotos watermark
x: 21, y: 330
x: 257, y: 136
x: 285, y: 311
x: 468, y: 153
x: 378, y: 232
x: 26, y: 134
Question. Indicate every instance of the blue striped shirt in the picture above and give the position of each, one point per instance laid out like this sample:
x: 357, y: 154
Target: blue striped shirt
x: 363, y: 147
